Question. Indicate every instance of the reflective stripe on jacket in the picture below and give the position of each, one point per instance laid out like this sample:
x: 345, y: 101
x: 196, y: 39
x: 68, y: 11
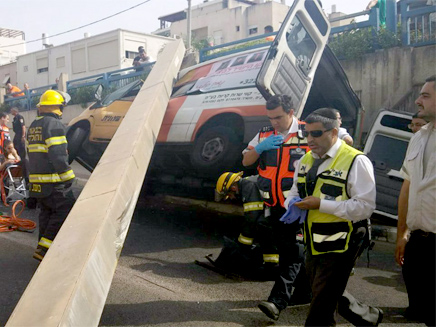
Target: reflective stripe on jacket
x: 48, y: 155
x: 276, y: 167
x: 328, y: 233
x: 253, y: 207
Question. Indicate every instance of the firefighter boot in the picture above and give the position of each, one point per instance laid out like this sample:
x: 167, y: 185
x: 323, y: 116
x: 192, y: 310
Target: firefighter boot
x: 42, y: 248
x: 40, y: 253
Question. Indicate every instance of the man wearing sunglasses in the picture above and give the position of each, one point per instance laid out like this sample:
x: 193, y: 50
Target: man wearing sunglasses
x: 278, y: 148
x: 337, y: 186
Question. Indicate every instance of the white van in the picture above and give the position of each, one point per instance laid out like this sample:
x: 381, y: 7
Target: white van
x: 386, y: 146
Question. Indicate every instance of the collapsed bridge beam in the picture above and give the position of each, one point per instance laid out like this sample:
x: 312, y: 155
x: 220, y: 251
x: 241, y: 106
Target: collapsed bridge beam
x: 71, y: 285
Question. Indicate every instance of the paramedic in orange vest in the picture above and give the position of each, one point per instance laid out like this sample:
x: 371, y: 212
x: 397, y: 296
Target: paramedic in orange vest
x: 278, y: 148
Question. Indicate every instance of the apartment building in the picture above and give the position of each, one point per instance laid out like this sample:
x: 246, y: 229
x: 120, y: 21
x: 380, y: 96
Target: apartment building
x: 222, y: 21
x: 82, y: 58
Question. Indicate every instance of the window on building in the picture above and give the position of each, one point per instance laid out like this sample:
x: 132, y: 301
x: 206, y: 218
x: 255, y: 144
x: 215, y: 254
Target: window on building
x: 252, y: 30
x: 25, y: 68
x: 131, y: 54
x: 42, y: 65
x: 237, y: 28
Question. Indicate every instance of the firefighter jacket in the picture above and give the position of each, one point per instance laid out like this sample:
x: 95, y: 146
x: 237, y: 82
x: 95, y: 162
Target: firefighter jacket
x: 276, y: 167
x: 48, y: 155
x: 327, y: 233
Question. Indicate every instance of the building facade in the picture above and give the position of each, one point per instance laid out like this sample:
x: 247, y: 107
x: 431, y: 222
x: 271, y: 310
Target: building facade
x: 86, y: 57
x: 222, y: 21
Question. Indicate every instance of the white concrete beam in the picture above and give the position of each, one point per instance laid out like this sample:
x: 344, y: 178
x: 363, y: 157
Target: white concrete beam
x: 71, y: 284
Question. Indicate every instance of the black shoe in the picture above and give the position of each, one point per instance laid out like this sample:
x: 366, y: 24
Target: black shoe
x: 270, y: 309
x: 380, y: 317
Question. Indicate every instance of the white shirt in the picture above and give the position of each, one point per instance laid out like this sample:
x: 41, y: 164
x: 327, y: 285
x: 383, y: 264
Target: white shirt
x: 255, y: 141
x: 421, y: 213
x: 342, y: 133
x: 360, y: 187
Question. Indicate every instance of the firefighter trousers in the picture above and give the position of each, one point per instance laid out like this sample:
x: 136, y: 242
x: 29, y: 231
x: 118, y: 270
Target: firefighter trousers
x: 54, y: 211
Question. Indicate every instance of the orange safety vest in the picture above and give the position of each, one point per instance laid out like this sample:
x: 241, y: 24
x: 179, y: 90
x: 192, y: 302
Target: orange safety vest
x: 4, y: 135
x: 276, y: 167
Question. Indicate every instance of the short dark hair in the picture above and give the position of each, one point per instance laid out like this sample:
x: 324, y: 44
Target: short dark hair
x: 326, y: 116
x: 431, y: 79
x: 285, y: 101
x: 3, y: 114
x: 268, y: 29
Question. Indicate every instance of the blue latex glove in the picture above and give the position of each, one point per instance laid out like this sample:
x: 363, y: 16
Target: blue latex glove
x: 294, y: 213
x: 271, y: 142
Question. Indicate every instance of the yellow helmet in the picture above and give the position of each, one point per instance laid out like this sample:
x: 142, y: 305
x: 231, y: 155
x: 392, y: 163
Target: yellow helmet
x: 225, y: 181
x: 51, y: 98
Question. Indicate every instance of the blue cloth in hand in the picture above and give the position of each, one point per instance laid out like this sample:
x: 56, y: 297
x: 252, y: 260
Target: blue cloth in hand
x: 294, y: 213
x: 271, y: 142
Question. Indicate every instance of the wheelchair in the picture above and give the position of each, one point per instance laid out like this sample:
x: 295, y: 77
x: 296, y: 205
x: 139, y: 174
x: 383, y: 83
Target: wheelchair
x: 13, y: 184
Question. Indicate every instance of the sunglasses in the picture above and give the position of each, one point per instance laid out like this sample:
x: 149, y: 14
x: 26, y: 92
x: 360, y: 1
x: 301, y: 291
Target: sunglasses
x: 317, y: 133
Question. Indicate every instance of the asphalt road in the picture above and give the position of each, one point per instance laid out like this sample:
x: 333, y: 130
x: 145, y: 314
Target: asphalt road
x: 157, y: 282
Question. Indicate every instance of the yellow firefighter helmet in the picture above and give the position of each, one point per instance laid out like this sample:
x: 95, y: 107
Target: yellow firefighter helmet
x: 225, y: 181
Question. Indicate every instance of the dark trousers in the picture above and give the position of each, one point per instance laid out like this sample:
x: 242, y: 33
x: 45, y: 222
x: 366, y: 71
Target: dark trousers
x: 20, y: 146
x: 54, y: 211
x: 263, y: 233
x: 328, y: 275
x: 419, y: 276
x: 290, y: 258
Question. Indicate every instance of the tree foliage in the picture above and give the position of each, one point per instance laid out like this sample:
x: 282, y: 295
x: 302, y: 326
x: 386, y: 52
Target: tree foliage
x: 354, y: 44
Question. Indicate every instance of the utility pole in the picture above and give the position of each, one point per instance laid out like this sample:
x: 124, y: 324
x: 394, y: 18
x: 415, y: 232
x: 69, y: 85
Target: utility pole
x: 188, y: 43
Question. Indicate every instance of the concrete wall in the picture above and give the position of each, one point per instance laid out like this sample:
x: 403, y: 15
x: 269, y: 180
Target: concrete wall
x: 390, y: 78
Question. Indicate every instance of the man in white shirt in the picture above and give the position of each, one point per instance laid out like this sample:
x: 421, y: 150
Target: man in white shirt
x: 416, y: 213
x: 337, y: 186
x: 343, y: 133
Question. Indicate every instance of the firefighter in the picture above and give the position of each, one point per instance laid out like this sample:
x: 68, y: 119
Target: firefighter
x: 50, y: 176
x: 278, y: 148
x: 239, y: 255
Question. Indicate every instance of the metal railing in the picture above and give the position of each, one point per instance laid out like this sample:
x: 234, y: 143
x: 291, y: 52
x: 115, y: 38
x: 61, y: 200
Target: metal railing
x: 225, y: 49
x: 111, y: 81
x: 30, y: 98
x: 372, y: 21
x: 418, y: 26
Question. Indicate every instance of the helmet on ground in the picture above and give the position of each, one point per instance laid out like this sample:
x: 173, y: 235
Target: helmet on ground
x: 53, y: 98
x: 224, y: 183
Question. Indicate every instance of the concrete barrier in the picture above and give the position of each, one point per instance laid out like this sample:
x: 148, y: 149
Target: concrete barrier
x: 71, y: 284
